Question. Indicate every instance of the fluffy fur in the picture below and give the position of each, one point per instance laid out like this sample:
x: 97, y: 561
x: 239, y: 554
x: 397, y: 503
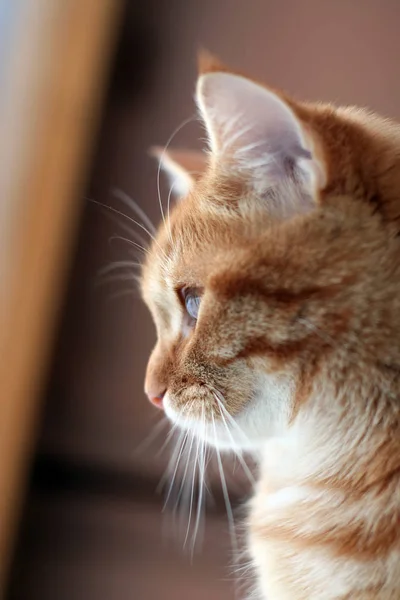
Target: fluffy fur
x: 292, y: 236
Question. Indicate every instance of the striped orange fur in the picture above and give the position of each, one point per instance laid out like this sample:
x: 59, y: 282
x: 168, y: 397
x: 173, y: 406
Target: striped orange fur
x: 291, y: 238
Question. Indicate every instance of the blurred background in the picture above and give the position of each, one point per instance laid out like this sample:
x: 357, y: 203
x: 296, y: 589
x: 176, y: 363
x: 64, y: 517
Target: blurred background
x: 89, y: 522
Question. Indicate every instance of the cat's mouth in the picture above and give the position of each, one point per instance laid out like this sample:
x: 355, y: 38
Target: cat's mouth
x: 198, y: 402
x: 210, y: 429
x: 206, y: 412
x: 202, y: 410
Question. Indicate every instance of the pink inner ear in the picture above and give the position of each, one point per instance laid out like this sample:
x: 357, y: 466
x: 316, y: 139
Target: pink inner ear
x: 255, y: 130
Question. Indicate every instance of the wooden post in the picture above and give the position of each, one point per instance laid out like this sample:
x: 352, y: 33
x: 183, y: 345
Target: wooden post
x: 55, y: 55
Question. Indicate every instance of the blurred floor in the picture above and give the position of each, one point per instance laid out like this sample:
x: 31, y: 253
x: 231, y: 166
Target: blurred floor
x: 105, y: 548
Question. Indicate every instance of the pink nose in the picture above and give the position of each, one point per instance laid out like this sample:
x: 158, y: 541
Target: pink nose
x: 156, y: 398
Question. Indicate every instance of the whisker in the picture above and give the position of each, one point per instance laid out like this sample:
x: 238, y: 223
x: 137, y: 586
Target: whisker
x: 238, y: 453
x: 135, y: 235
x: 119, y: 264
x: 172, y: 461
x: 228, y: 415
x: 130, y: 242
x: 192, y: 491
x: 130, y: 202
x: 169, y: 437
x: 168, y: 211
x: 131, y: 220
x: 201, y: 483
x: 129, y: 292
x: 171, y: 137
x: 183, y: 478
x: 175, y: 471
x: 117, y: 277
x: 231, y: 522
x: 116, y: 212
x: 151, y: 437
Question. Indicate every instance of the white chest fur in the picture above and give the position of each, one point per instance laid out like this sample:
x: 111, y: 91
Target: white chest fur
x: 289, y: 524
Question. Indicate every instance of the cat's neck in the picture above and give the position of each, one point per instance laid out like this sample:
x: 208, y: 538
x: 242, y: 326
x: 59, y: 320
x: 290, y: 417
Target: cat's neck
x: 349, y: 440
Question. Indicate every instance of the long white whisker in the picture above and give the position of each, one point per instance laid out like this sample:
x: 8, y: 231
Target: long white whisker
x: 168, y: 210
x: 201, y: 482
x: 117, y: 277
x: 236, y: 450
x: 192, y: 491
x: 228, y: 415
x: 135, y: 235
x: 172, y: 460
x: 185, y: 434
x: 121, y: 294
x: 119, y: 213
x: 170, y: 435
x: 121, y: 195
x: 231, y: 522
x: 182, y: 445
x: 119, y: 264
x: 130, y: 242
x: 183, y: 478
x: 131, y: 220
x: 153, y: 435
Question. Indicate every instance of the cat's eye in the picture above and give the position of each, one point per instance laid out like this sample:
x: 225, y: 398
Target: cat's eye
x: 192, y: 300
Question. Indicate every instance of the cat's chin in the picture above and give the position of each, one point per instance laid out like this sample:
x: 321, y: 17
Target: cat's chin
x: 247, y: 433
x: 264, y: 417
x: 214, y: 434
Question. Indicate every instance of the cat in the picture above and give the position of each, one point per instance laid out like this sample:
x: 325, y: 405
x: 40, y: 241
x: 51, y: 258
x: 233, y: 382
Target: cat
x: 274, y: 286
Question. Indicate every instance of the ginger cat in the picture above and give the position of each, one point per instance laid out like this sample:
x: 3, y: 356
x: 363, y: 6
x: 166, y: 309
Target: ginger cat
x: 275, y: 290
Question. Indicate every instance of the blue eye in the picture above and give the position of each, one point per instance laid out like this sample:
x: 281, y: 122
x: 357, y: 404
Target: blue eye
x: 192, y: 302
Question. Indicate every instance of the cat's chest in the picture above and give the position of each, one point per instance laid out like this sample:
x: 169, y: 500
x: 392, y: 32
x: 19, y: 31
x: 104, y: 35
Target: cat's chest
x: 280, y: 512
x: 267, y: 510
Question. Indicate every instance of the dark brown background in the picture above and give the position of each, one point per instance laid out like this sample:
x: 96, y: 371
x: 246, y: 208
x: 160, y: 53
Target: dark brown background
x: 92, y: 527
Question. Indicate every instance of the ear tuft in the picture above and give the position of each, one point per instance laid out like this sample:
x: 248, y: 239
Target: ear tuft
x: 208, y: 63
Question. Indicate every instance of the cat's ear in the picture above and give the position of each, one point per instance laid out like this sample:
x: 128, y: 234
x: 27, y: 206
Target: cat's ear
x: 256, y: 130
x: 182, y: 167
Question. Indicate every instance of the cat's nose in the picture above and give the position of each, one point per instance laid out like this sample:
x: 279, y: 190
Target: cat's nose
x: 156, y: 397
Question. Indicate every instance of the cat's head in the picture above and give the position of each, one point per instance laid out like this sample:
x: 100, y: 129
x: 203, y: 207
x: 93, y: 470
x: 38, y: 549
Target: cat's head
x: 267, y: 277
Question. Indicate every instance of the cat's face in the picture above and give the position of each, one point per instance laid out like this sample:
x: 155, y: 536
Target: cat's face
x: 260, y: 283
